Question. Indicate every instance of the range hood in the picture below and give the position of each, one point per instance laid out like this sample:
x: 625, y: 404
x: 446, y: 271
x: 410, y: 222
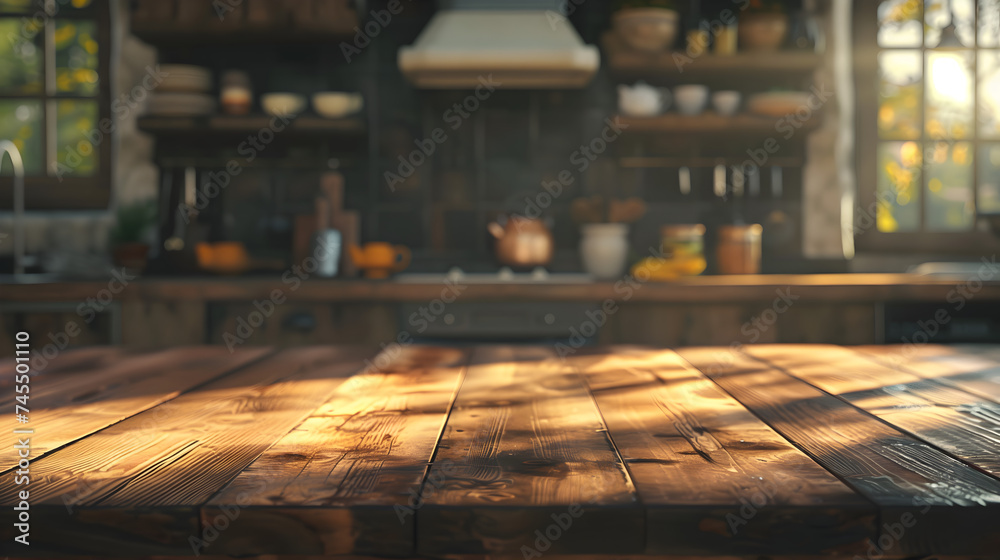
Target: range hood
x: 527, y: 47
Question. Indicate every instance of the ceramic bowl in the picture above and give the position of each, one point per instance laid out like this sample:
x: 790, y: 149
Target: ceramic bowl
x: 762, y: 32
x: 726, y: 102
x: 282, y: 104
x: 778, y: 103
x: 646, y: 29
x: 642, y: 100
x: 691, y: 99
x: 336, y: 104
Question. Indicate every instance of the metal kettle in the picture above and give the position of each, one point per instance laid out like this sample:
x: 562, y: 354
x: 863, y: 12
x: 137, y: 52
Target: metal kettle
x: 522, y: 242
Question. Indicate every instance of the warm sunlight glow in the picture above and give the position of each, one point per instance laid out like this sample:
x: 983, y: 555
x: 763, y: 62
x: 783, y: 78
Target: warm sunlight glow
x: 951, y: 80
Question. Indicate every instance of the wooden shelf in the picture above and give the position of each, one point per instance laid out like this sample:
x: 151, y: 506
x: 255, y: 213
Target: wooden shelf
x: 224, y: 124
x: 708, y: 68
x: 172, y: 35
x: 670, y: 162
x: 187, y: 23
x: 712, y: 124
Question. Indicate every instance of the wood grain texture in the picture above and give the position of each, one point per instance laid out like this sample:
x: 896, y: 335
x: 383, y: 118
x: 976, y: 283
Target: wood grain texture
x: 970, y: 367
x: 66, y: 362
x: 67, y: 406
x: 713, y: 478
x: 525, y: 464
x: 137, y: 485
x: 929, y: 502
x: 161, y: 324
x: 959, y: 423
x: 617, y: 451
x: 345, y: 480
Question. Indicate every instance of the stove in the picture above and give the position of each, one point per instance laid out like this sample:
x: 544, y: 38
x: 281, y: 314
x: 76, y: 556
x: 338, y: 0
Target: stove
x: 503, y: 276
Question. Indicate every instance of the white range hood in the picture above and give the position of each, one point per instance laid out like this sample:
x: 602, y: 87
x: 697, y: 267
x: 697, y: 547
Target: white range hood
x: 521, y: 49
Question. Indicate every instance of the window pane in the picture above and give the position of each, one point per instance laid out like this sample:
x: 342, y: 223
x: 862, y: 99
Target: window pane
x: 949, y: 94
x: 937, y: 16
x: 949, y: 186
x: 21, y: 122
x: 989, y: 94
x: 21, y: 53
x: 76, y: 120
x: 989, y: 23
x: 75, y: 5
x: 15, y: 5
x: 898, y: 187
x: 900, y: 23
x: 989, y: 179
x: 900, y: 89
x: 76, y: 57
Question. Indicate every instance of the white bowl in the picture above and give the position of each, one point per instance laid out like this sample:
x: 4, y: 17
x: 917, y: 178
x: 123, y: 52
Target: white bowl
x: 726, y: 102
x: 778, y: 103
x: 336, y: 104
x: 282, y: 104
x: 691, y: 99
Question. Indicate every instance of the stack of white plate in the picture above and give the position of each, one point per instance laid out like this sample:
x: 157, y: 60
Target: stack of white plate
x: 183, y: 92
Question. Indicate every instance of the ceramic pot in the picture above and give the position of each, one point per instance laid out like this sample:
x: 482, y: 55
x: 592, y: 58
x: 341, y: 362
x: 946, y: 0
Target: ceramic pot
x: 604, y: 249
x: 762, y: 32
x: 646, y: 29
x: 522, y: 242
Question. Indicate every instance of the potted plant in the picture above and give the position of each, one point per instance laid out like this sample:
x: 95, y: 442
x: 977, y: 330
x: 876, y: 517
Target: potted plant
x: 604, y: 232
x: 763, y: 25
x: 646, y: 25
x: 129, y: 235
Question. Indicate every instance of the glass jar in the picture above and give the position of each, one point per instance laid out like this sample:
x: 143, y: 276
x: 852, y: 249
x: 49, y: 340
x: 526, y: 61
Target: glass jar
x: 739, y: 248
x: 683, y: 240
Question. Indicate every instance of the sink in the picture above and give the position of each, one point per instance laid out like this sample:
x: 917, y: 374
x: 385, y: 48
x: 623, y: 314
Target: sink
x: 948, y: 270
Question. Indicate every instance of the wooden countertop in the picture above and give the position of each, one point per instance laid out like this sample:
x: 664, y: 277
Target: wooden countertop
x: 816, y: 287
x: 510, y: 451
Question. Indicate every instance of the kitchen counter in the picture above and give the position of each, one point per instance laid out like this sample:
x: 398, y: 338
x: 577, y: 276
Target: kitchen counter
x: 709, y: 289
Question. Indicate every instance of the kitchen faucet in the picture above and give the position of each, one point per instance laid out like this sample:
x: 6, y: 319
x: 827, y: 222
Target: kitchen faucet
x: 8, y: 147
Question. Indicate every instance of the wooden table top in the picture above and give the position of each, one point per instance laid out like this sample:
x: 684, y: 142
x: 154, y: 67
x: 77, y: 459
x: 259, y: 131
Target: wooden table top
x: 509, y: 451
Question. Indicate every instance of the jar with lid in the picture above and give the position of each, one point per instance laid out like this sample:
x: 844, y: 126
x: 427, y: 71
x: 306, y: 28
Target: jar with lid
x: 683, y: 246
x: 739, y: 248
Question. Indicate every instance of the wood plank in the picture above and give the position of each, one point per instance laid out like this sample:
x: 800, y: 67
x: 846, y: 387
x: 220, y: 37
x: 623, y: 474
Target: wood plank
x: 970, y: 367
x: 525, y: 466
x: 66, y: 407
x: 959, y: 423
x: 929, y: 502
x: 140, y: 495
x: 712, y: 477
x: 66, y: 362
x: 148, y: 325
x: 344, y: 481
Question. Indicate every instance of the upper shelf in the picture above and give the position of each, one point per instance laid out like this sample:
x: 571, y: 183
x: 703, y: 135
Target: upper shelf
x: 172, y: 35
x: 676, y: 66
x: 250, y: 124
x: 199, y: 22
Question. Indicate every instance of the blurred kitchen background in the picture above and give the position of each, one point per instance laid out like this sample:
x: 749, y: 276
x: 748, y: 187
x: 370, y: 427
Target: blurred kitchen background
x: 540, y: 150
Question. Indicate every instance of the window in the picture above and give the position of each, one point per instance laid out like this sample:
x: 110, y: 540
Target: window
x: 54, y: 99
x: 928, y: 81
